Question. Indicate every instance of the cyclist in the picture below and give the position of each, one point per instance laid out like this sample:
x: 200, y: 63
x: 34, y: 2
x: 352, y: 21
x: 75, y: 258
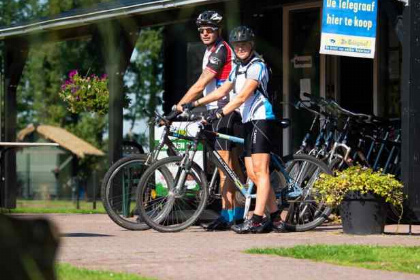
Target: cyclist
x: 249, y: 81
x: 218, y: 62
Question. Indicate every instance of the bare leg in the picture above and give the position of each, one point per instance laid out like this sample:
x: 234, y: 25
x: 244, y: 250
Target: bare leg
x: 226, y: 186
x: 265, y: 194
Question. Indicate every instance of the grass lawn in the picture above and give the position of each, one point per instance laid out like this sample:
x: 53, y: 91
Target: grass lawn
x: 395, y: 258
x: 68, y: 272
x: 56, y: 206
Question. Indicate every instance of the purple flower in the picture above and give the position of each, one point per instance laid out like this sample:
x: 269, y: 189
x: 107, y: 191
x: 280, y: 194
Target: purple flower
x: 104, y: 77
x: 73, y: 90
x: 72, y: 73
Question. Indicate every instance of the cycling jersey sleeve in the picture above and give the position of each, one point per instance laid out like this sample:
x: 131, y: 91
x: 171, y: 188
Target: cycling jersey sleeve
x: 256, y: 71
x: 217, y: 60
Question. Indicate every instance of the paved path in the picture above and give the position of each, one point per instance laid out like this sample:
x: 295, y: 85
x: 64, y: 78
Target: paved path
x: 94, y: 241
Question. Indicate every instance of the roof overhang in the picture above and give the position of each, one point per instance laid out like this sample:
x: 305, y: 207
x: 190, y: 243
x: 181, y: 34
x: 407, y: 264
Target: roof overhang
x: 76, y: 20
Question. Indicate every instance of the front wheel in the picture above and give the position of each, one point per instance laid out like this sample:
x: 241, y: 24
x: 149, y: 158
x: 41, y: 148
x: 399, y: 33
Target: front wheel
x: 170, y: 198
x: 119, y: 191
x: 301, y: 211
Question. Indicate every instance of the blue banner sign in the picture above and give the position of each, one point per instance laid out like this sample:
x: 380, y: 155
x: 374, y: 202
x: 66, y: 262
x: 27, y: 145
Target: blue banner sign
x: 349, y: 27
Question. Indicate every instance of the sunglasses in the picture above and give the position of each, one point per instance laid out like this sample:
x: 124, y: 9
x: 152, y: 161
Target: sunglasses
x: 207, y: 29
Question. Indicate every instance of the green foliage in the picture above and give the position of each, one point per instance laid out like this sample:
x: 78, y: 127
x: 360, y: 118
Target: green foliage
x: 390, y: 258
x: 69, y: 272
x: 144, y: 76
x: 333, y: 188
x: 55, y: 206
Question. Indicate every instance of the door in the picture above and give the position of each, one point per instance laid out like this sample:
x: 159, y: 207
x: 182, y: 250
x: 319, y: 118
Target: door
x: 301, y: 67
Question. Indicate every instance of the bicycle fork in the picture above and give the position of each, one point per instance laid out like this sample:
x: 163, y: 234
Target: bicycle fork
x: 183, y: 170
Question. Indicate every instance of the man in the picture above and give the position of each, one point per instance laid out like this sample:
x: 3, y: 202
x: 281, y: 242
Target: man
x: 218, y: 61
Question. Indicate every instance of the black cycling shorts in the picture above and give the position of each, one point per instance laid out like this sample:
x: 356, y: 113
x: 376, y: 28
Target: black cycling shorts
x: 225, y: 125
x: 258, y: 137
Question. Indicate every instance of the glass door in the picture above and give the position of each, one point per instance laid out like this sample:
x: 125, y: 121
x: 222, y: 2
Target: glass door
x: 301, y: 67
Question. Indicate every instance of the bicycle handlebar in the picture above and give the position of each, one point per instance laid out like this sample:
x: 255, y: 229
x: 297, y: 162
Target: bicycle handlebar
x: 330, y: 103
x: 363, y: 117
x: 177, y: 116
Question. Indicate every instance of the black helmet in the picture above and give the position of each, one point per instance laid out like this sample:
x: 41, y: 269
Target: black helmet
x: 210, y: 18
x: 241, y: 34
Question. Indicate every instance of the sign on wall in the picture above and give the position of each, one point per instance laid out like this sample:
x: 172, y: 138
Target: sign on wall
x: 349, y: 28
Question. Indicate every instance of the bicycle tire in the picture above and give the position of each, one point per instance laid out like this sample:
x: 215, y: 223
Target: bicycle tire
x: 112, y: 191
x: 160, y: 205
x: 131, y: 147
x: 304, y: 213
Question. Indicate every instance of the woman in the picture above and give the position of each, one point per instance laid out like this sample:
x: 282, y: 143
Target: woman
x: 248, y: 82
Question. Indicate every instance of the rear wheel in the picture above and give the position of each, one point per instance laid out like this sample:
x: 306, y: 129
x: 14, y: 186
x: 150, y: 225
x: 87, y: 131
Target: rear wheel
x: 119, y: 191
x: 301, y: 211
x: 169, y: 198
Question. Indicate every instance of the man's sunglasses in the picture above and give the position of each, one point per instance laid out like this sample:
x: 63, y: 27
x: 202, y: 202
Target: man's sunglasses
x: 207, y: 29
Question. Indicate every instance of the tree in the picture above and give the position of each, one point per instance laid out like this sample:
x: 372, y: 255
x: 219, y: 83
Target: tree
x: 144, y: 77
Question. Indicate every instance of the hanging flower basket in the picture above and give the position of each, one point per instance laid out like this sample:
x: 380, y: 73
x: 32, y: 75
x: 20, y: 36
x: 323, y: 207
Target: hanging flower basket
x: 87, y: 94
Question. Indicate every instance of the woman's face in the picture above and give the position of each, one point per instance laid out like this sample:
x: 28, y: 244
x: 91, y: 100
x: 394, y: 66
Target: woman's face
x: 242, y: 49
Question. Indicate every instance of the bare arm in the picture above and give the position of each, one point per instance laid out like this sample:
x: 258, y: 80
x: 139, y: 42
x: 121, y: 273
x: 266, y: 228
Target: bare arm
x: 216, y: 94
x: 248, y: 89
x: 197, y: 88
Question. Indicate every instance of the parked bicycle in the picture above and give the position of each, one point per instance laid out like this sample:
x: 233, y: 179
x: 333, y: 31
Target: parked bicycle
x: 343, y: 138
x: 120, y: 181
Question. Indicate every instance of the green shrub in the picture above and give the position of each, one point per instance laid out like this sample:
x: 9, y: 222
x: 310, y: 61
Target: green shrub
x: 333, y: 188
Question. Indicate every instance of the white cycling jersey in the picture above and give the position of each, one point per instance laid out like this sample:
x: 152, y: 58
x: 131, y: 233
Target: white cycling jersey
x: 257, y: 106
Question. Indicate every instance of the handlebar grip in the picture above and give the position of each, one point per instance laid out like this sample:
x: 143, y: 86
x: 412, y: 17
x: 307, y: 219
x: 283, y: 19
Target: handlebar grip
x: 172, y: 115
x: 189, y: 116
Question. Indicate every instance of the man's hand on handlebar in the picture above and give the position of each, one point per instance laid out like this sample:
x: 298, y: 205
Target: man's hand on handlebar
x: 188, y: 106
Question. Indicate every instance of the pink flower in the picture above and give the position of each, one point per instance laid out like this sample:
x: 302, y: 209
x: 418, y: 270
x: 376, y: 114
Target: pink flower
x: 72, y: 73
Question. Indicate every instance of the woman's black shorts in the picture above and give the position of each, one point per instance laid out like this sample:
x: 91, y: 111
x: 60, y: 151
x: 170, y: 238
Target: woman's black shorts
x: 259, y: 136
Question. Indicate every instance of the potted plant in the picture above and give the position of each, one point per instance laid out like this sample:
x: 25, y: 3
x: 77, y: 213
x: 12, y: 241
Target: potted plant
x: 87, y: 94
x: 361, y: 194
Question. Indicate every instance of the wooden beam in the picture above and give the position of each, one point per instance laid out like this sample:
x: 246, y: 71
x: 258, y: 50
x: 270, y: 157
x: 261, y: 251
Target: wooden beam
x: 118, y: 39
x: 410, y: 101
x: 16, y: 53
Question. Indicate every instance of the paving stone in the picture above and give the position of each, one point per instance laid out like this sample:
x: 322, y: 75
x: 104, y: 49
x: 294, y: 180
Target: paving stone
x: 95, y: 242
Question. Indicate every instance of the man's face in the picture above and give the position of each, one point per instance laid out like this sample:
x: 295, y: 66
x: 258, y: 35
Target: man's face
x: 208, y: 34
x: 242, y: 49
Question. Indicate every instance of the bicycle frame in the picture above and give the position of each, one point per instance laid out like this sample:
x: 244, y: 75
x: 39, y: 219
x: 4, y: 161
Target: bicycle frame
x: 247, y: 188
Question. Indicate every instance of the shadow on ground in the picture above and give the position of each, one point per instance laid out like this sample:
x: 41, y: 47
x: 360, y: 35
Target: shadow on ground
x: 83, y: 234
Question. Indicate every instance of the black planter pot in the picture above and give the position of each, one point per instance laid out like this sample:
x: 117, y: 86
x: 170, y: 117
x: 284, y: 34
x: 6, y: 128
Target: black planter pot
x: 363, y: 214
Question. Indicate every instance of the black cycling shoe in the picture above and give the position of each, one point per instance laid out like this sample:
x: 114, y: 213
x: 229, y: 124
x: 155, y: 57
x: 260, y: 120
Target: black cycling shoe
x: 249, y: 226
x: 278, y: 226
x: 219, y: 224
